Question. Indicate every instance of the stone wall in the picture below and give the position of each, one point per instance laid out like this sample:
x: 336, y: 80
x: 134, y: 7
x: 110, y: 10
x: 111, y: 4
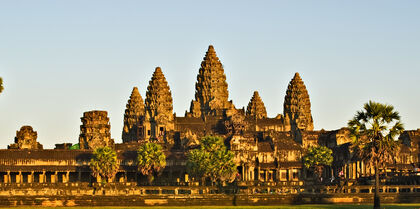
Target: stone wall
x: 83, y: 194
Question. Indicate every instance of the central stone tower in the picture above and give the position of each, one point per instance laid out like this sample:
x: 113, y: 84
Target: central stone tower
x: 211, y: 89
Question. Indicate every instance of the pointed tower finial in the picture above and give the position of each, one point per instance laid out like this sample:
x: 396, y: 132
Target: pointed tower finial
x: 297, y: 106
x: 159, y: 98
x: 256, y: 107
x: 133, y: 116
x: 211, y: 89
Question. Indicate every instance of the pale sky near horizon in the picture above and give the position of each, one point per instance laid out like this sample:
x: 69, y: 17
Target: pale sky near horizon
x: 59, y: 59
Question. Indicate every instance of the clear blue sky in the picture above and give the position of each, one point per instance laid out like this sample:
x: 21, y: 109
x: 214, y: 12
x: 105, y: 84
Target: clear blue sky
x: 59, y: 59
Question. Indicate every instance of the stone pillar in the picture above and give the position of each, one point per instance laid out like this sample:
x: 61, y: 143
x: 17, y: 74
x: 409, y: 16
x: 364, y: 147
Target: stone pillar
x: 265, y: 175
x: 67, y: 177
x: 42, y: 177
x: 19, y: 177
x: 290, y: 175
x: 31, y: 178
x: 9, y: 178
x: 332, y: 172
x: 354, y: 170
x: 345, y: 170
x: 54, y: 178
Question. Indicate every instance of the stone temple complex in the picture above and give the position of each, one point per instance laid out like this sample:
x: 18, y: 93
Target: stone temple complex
x: 266, y: 149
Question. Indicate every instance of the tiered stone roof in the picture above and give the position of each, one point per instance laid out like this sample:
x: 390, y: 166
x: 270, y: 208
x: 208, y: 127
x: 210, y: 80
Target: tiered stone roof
x: 256, y: 107
x: 26, y: 139
x: 159, y: 99
x: 211, y: 89
x: 297, y: 107
x: 95, y: 130
x: 134, y: 113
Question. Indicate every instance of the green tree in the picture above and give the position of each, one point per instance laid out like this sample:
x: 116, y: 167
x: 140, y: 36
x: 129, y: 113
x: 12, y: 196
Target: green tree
x: 104, y: 163
x: 211, y: 159
x: 151, y: 160
x: 374, y: 130
x: 318, y: 157
x: 1, y: 84
x: 75, y: 146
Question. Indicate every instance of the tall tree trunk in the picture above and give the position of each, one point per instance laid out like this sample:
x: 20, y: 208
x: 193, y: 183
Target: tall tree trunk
x: 376, y: 198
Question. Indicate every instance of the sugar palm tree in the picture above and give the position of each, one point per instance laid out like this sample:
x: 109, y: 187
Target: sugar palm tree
x: 1, y: 84
x: 374, y: 131
x: 151, y: 160
x: 104, y: 163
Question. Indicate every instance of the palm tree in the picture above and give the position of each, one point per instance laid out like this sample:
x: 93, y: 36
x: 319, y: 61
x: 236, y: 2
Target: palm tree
x: 104, y: 163
x: 374, y: 131
x: 151, y: 160
x: 1, y: 84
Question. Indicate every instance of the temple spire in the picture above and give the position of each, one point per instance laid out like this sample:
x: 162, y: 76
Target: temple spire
x: 297, y: 106
x: 159, y: 99
x: 134, y: 113
x: 211, y: 89
x: 256, y: 107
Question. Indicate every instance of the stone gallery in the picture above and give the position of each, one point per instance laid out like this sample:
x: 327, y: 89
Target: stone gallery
x: 267, y: 150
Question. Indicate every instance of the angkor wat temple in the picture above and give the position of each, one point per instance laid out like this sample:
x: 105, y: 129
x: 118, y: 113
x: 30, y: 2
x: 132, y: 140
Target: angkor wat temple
x: 266, y: 149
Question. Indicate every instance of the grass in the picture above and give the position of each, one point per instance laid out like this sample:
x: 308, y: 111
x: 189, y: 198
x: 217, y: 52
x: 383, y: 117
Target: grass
x: 385, y: 206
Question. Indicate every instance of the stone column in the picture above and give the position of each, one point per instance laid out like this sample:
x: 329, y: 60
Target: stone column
x: 345, y: 170
x: 55, y: 177
x: 290, y: 175
x: 354, y: 170
x: 67, y: 177
x: 265, y: 175
x: 31, y: 177
x: 332, y: 172
x: 43, y: 179
x: 9, y: 178
x: 19, y: 177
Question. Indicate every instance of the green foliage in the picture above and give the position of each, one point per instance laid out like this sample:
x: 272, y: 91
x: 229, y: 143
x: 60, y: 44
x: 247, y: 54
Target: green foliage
x: 75, y: 147
x: 1, y: 84
x: 151, y: 159
x: 318, y: 156
x: 374, y: 131
x: 104, y: 163
x: 211, y: 159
